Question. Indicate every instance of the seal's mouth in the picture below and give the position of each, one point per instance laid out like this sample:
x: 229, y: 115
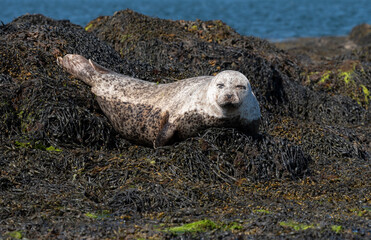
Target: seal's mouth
x: 230, y: 105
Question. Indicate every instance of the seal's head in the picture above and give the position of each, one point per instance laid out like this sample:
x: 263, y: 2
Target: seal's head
x: 228, y: 89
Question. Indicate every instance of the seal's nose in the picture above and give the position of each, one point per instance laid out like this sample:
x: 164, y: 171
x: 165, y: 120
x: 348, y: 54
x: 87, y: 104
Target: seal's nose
x: 229, y: 96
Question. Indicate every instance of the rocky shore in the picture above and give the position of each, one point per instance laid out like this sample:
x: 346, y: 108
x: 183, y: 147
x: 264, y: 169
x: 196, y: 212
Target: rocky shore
x: 66, y: 174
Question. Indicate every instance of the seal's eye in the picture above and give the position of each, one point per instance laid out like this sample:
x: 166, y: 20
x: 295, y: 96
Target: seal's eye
x: 220, y: 85
x: 241, y: 87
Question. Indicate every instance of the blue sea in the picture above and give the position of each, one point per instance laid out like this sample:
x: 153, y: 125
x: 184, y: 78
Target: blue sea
x: 269, y: 19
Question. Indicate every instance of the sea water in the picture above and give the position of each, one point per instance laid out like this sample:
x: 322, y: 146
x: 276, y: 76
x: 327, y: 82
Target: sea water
x: 270, y: 19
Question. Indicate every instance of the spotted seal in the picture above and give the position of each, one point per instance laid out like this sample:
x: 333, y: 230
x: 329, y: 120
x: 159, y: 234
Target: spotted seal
x: 159, y: 114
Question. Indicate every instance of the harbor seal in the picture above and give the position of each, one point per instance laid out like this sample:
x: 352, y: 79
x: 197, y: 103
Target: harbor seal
x: 159, y: 114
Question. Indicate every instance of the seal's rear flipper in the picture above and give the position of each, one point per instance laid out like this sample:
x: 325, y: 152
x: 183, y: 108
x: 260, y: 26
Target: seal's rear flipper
x: 99, y: 68
x: 81, y: 68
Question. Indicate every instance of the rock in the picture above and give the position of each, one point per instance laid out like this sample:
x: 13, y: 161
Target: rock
x: 177, y: 50
x: 336, y: 65
x: 60, y: 158
x: 155, y: 55
x: 52, y: 109
x: 361, y: 34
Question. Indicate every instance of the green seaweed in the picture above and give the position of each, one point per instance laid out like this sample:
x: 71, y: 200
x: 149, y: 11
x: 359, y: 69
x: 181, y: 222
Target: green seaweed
x: 233, y: 226
x: 36, y: 145
x: 15, y: 234
x: 203, y: 226
x: 23, y: 144
x: 309, y: 75
x: 20, y: 114
x: 297, y: 226
x: 88, y: 27
x: 199, y: 226
x: 336, y: 228
x: 358, y: 212
x: 25, y: 120
x: 219, y: 23
x: 53, y: 149
x: 346, y: 76
x: 125, y: 37
x: 100, y: 215
x: 194, y: 28
x: 366, y: 92
x: 325, y: 77
x: 262, y: 211
x: 358, y: 92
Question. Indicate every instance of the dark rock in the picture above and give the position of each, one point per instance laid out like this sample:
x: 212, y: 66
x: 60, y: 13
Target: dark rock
x: 361, y: 34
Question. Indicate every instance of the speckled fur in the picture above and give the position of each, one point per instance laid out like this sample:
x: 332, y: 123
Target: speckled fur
x: 158, y: 114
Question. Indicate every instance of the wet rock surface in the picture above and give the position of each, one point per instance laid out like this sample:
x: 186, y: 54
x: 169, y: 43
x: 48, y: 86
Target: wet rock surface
x: 65, y: 172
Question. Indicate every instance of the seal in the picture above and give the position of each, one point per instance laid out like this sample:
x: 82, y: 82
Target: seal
x: 159, y: 114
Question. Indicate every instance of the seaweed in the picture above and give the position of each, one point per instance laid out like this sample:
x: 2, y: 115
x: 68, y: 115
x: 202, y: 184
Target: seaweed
x: 66, y: 173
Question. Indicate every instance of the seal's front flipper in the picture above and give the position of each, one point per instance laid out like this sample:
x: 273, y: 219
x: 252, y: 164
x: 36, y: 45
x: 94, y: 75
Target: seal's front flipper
x: 165, y: 135
x: 81, y: 68
x: 166, y: 132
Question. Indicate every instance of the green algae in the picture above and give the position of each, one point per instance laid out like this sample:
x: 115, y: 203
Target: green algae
x: 125, y: 37
x: 203, y: 226
x: 20, y: 114
x: 358, y: 212
x: 199, y: 226
x: 366, y: 92
x: 88, y: 27
x: 36, y: 145
x: 25, y: 120
x: 100, y: 215
x: 233, y: 226
x: 194, y: 28
x: 262, y: 211
x: 325, y: 77
x: 15, y: 234
x: 297, y: 226
x: 53, y: 149
x: 336, y: 228
x: 23, y: 144
x: 346, y: 76
x: 343, y: 82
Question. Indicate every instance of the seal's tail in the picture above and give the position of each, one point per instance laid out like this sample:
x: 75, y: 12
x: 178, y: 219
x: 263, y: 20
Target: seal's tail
x: 81, y: 68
